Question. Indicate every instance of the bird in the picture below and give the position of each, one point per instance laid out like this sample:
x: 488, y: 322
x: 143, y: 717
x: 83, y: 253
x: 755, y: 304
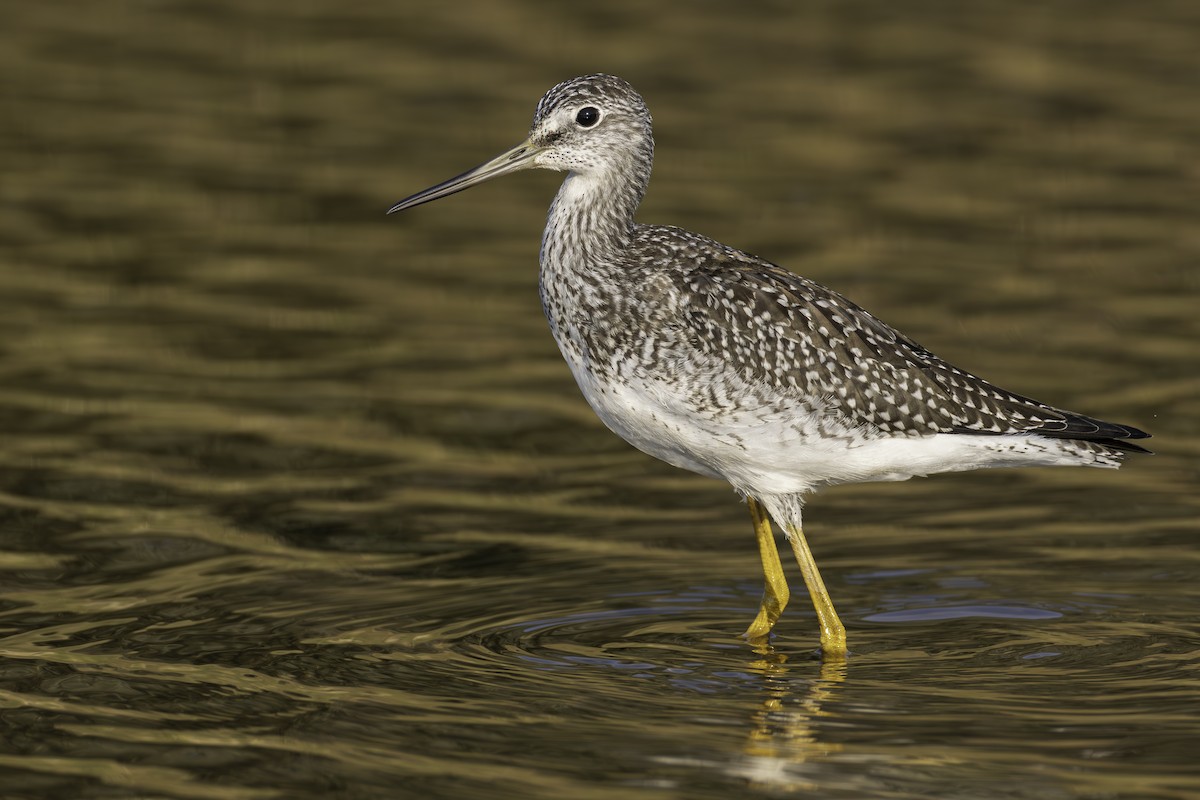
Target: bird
x: 723, y: 363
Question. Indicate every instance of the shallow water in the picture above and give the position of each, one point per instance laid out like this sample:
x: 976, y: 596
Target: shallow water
x: 299, y: 501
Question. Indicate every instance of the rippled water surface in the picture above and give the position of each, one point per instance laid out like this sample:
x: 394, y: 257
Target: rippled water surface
x: 299, y: 501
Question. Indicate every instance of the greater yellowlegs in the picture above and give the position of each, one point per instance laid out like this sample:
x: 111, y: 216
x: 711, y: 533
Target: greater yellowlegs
x: 719, y: 362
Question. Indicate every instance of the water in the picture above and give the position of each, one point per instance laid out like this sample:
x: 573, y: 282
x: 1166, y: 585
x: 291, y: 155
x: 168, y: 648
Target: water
x: 300, y: 501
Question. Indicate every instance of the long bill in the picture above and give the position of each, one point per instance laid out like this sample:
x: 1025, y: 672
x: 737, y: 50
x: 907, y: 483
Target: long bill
x: 518, y: 158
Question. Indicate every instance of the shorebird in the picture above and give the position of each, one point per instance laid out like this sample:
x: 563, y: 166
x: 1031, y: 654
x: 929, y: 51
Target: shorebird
x: 722, y: 363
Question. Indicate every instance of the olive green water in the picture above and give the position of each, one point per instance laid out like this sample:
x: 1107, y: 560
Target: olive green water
x: 299, y: 501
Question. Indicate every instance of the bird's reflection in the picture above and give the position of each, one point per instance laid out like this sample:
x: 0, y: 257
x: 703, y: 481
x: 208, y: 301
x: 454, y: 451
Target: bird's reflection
x: 784, y: 735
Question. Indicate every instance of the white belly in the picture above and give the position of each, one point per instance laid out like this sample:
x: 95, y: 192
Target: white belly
x: 763, y: 449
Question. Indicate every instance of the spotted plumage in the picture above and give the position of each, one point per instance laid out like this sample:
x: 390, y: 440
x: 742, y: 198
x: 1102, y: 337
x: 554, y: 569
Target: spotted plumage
x: 717, y: 361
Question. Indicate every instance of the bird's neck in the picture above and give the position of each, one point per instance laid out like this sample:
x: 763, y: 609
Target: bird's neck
x: 585, y: 249
x: 591, y: 219
x: 588, y: 222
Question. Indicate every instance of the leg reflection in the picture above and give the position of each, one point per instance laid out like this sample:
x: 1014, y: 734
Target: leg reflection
x: 785, y: 733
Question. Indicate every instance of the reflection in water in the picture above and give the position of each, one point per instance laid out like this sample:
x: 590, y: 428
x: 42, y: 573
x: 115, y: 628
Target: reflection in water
x: 784, y: 735
x: 299, y: 502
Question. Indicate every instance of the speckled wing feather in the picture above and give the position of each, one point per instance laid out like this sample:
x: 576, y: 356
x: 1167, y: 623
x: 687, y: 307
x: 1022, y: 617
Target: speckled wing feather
x: 805, y: 339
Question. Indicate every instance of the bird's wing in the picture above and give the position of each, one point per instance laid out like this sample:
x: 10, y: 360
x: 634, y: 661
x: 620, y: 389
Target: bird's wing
x: 802, y: 338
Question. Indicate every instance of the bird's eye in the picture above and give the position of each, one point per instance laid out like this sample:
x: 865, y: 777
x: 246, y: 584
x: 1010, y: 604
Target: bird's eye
x: 587, y: 117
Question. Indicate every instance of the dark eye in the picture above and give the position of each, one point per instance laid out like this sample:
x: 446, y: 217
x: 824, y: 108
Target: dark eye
x: 587, y: 117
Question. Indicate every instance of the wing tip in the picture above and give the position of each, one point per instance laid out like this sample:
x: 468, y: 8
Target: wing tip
x: 1076, y: 427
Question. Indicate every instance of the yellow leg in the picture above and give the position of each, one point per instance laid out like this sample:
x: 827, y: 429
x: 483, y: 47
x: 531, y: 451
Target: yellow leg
x: 775, y: 588
x: 833, y: 633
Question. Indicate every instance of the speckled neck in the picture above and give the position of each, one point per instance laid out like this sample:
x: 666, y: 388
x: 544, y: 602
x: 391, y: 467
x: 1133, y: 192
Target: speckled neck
x: 591, y: 219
